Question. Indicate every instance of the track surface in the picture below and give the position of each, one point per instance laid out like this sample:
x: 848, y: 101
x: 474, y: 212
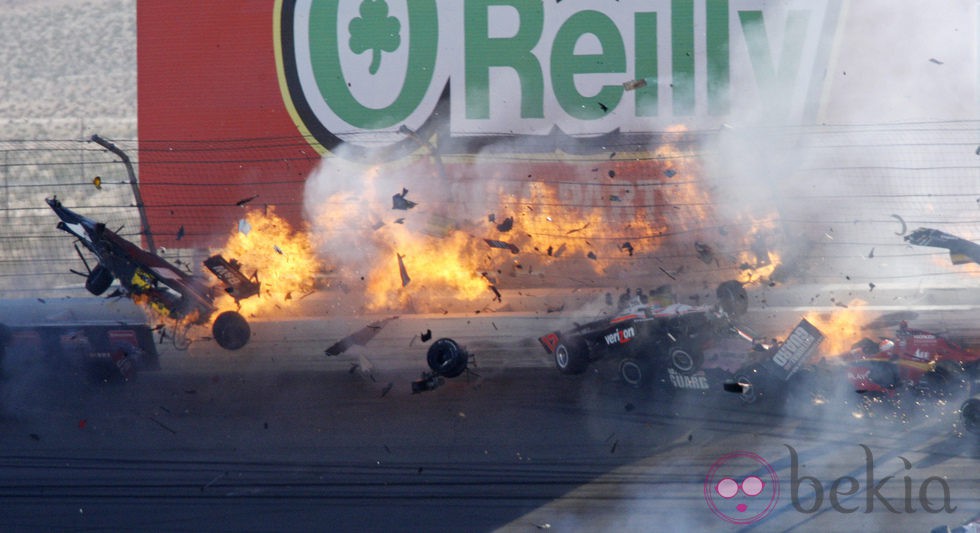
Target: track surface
x: 280, y: 437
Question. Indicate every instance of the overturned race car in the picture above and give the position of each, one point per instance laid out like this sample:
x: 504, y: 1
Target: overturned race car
x: 646, y: 339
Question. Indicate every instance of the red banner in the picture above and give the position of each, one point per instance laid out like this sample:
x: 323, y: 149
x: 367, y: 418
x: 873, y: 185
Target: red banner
x: 213, y: 130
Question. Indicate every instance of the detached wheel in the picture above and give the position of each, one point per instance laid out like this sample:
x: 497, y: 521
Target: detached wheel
x: 685, y: 359
x: 732, y: 298
x: 970, y: 415
x: 571, y: 356
x: 231, y: 331
x: 98, y: 280
x: 634, y: 372
x: 446, y: 358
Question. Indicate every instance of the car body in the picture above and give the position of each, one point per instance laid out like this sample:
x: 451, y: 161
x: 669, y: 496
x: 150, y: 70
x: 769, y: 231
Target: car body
x: 645, y: 338
x: 915, y: 360
x: 149, y: 279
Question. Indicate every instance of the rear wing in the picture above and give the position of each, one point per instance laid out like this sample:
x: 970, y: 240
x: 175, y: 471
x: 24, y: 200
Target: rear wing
x: 230, y: 273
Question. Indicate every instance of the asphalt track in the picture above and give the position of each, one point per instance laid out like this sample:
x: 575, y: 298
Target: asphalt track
x: 279, y: 436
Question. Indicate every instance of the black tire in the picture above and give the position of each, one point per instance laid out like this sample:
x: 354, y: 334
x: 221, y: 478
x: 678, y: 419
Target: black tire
x: 634, y: 372
x: 970, y: 415
x: 446, y: 358
x: 732, y: 298
x: 231, y: 330
x: 99, y: 280
x: 685, y: 359
x: 571, y: 355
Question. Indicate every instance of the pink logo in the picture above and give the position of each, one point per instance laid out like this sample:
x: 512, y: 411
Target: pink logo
x: 737, y: 490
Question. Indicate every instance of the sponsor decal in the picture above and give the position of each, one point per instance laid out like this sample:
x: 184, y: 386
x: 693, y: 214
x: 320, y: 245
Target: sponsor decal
x: 621, y: 336
x: 554, y: 72
x: 698, y: 381
x: 798, y: 346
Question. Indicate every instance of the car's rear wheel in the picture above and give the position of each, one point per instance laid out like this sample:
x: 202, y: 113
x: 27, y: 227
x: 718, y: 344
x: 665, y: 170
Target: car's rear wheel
x: 571, y: 356
x: 231, y: 331
x: 685, y: 359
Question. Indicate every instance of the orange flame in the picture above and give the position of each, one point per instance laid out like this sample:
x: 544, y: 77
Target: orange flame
x: 282, y: 259
x: 841, y: 327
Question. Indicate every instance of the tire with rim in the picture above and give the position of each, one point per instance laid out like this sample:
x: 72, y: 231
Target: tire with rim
x: 99, y: 280
x: 732, y: 298
x: 231, y: 331
x: 685, y: 359
x: 446, y: 358
x: 634, y: 372
x: 571, y: 356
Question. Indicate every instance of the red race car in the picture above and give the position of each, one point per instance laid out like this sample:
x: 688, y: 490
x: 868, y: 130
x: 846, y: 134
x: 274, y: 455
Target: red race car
x: 916, y: 361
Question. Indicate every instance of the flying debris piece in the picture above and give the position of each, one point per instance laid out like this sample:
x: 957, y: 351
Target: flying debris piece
x: 496, y: 293
x: 560, y: 308
x: 670, y: 173
x: 669, y: 275
x: 359, y: 337
x: 569, y: 232
x: 180, y: 233
x: 904, y: 227
x: 506, y: 225
x: 592, y: 256
x: 560, y: 250
x: 492, y: 217
x: 401, y: 270
x: 871, y: 254
x: 603, y: 107
x: 97, y: 181
x: 278, y: 249
x: 936, y: 61
x: 871, y: 286
x: 429, y: 381
x: 705, y: 253
x: 551, y: 250
x: 377, y: 225
x: 977, y: 151
x: 634, y: 84
x: 244, y: 227
x: 504, y: 245
x: 244, y: 201
x: 425, y: 337
x: 627, y: 247
x: 614, y: 198
x: 400, y: 221
x: 387, y: 389
x: 961, y: 251
x: 612, y: 173
x: 398, y: 201
x: 237, y: 284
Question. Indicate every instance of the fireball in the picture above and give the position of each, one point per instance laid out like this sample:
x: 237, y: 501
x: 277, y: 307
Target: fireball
x: 281, y: 258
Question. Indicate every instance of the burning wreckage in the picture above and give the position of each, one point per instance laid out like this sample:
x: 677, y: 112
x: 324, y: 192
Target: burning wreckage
x: 149, y: 279
x: 680, y: 347
x: 686, y: 347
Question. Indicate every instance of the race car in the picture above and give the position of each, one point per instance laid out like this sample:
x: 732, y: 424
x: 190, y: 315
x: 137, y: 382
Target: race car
x: 149, y: 279
x: 915, y: 361
x: 643, y: 337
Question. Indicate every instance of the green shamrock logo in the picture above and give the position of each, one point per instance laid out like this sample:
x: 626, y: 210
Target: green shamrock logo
x: 374, y: 30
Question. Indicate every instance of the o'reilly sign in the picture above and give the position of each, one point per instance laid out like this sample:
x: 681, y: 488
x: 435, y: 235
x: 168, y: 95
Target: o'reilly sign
x: 551, y: 71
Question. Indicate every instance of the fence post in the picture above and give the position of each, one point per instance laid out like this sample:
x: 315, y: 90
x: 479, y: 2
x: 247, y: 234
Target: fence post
x: 144, y: 222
